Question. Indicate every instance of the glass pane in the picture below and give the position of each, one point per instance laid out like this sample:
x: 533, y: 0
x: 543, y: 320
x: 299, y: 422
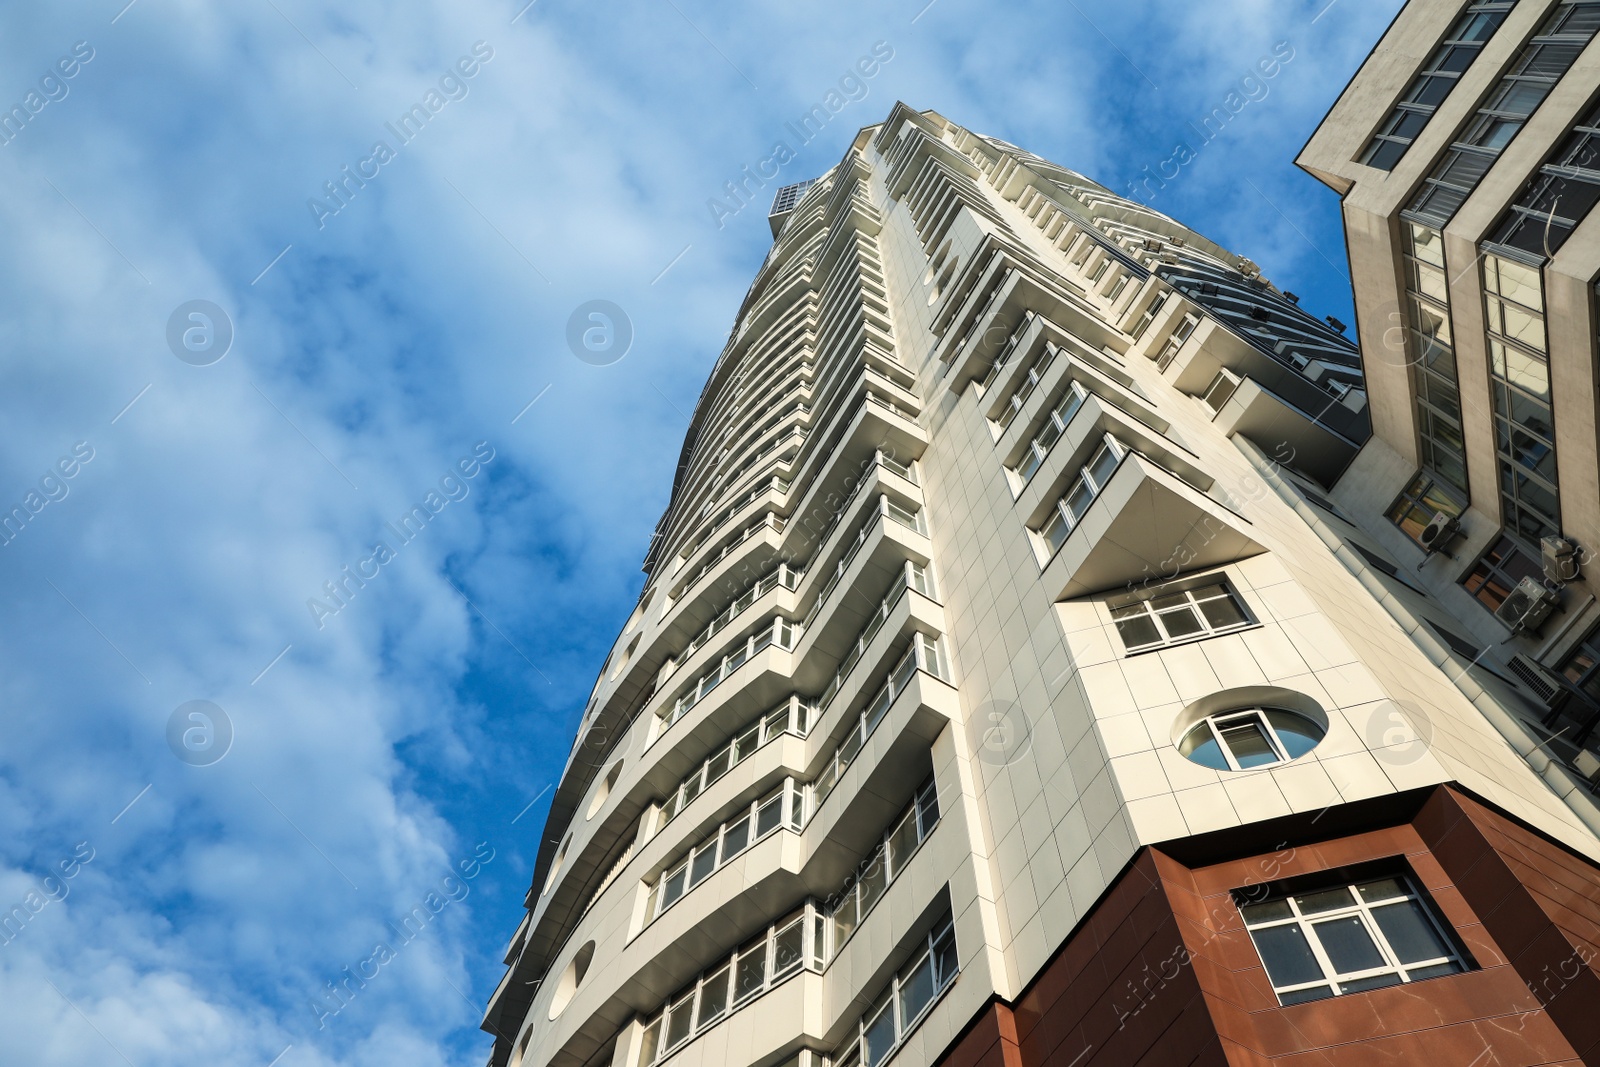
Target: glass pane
x: 746, y: 743
x: 680, y: 1022
x: 1301, y: 996
x: 1055, y: 530
x: 735, y: 839
x: 718, y: 765
x: 1222, y: 612
x: 1100, y: 468
x: 788, y: 948
x: 1139, y: 631
x: 916, y: 990
x: 1410, y: 935
x: 673, y: 887
x: 1377, y: 981
x: 873, y: 882
x: 705, y: 861
x: 1286, y: 954
x: 750, y: 971
x: 1326, y: 900
x: 648, y: 1042
x: 1348, y: 945
x: 1382, y: 889
x: 1297, y: 734
x: 945, y: 963
x: 1201, y: 746
x: 769, y: 815
x: 903, y: 842
x: 1078, y: 499
x: 1248, y: 743
x: 1181, y: 623
x: 879, y: 1033
x: 713, y: 997
x: 1266, y: 911
x: 844, y: 918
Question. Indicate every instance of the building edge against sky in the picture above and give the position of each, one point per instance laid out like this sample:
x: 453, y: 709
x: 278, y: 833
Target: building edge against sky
x: 1049, y: 655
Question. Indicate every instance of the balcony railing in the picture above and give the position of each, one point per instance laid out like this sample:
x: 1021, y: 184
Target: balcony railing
x: 911, y: 520
x: 925, y: 654
x: 769, y: 521
x: 780, y: 576
x: 777, y: 631
x: 793, y: 716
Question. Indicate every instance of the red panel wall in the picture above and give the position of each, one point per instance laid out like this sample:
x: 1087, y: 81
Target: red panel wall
x: 1163, y: 972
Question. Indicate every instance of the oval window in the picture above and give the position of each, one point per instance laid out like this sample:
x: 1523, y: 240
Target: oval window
x: 1248, y: 738
x: 604, y: 791
x: 571, y: 979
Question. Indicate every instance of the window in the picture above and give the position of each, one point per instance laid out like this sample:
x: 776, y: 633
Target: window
x: 1499, y: 570
x: 1250, y: 738
x: 730, y: 984
x: 1169, y: 351
x: 1461, y: 45
x: 1221, y: 390
x: 793, y: 716
x: 1148, y: 315
x: 1519, y: 389
x: 1347, y: 938
x: 1081, y: 491
x: 1418, y: 503
x: 1429, y: 337
x: 1558, y: 196
x: 901, y: 1006
x: 1582, y: 665
x: 1055, y: 423
x: 849, y: 907
x: 785, y: 806
x: 1185, y: 615
x: 1543, y: 60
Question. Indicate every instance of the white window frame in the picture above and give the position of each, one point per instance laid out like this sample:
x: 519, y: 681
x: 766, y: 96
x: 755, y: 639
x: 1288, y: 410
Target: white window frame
x: 1055, y: 425
x: 1059, y: 512
x: 1217, y: 723
x: 1192, y: 603
x: 853, y: 1053
x: 1362, y: 910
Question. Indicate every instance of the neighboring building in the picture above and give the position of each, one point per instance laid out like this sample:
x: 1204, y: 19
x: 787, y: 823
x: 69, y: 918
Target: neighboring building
x: 1027, y: 672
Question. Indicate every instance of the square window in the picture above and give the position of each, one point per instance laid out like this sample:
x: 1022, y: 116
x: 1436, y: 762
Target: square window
x: 1343, y: 938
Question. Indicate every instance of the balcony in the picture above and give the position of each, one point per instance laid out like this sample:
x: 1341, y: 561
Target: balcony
x: 1305, y: 441
x: 1145, y: 525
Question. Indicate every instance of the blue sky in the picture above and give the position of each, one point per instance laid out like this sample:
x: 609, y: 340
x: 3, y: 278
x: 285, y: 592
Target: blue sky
x: 378, y: 353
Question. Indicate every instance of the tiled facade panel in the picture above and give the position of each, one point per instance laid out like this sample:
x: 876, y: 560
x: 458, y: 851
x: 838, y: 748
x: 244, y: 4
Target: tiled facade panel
x: 1163, y: 971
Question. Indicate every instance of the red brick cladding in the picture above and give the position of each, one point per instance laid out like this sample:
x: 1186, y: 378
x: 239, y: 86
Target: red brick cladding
x: 1163, y: 973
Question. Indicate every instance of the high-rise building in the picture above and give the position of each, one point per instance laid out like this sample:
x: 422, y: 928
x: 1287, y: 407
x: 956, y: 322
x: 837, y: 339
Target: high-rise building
x: 1029, y: 671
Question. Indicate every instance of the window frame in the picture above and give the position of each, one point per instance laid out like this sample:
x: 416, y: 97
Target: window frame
x: 1188, y: 590
x: 1362, y: 910
x: 1260, y: 717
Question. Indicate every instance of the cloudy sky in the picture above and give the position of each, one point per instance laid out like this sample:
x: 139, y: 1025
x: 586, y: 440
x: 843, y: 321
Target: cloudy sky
x: 189, y: 486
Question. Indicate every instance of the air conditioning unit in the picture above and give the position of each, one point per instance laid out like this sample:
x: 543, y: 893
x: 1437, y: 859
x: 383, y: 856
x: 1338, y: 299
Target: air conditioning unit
x: 1440, y: 529
x: 1560, y: 558
x: 1152, y: 244
x: 1527, y: 606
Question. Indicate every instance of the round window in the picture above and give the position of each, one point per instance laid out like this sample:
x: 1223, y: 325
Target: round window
x: 1247, y: 738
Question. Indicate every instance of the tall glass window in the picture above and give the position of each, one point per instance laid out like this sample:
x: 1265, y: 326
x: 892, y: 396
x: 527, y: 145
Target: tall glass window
x: 1434, y: 376
x: 1461, y: 45
x: 1547, y: 56
x: 1558, y: 196
x: 1519, y: 385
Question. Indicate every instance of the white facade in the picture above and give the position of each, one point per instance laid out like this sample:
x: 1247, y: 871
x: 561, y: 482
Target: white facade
x: 849, y: 546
